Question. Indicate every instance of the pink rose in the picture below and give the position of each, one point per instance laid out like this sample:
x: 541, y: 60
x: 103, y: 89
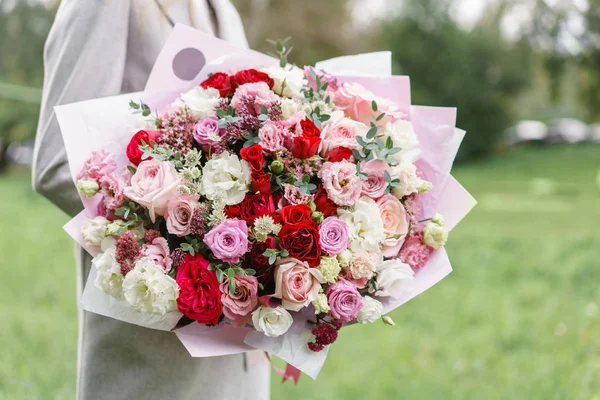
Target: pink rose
x: 228, y: 241
x: 356, y: 101
x: 344, y: 300
x: 112, y: 191
x: 296, y: 283
x: 272, y: 136
x: 206, y: 127
x: 375, y: 184
x: 340, y: 131
x: 414, y: 252
x: 159, y: 252
x: 243, y: 301
x: 153, y: 185
x: 259, y: 92
x: 179, y: 214
x: 101, y: 163
x: 342, y: 184
x: 396, y: 222
x: 323, y: 77
x: 333, y: 235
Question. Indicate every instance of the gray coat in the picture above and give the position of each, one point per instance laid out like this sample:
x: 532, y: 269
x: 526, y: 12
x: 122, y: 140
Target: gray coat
x: 100, y: 48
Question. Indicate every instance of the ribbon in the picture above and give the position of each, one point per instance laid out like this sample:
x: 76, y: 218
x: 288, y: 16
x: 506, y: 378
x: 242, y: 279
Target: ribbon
x: 289, y: 373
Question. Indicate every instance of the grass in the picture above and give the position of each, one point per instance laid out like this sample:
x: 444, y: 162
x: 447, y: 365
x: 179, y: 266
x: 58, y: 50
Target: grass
x: 519, y: 317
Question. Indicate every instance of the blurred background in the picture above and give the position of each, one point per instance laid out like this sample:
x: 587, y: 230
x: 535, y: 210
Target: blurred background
x: 517, y: 319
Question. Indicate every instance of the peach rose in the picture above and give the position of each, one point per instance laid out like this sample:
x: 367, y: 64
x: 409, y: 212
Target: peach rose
x: 340, y: 131
x: 395, y: 224
x: 296, y: 283
x: 356, y: 101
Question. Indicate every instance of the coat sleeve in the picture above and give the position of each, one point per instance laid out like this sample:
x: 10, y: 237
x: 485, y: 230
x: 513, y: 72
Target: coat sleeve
x: 84, y: 58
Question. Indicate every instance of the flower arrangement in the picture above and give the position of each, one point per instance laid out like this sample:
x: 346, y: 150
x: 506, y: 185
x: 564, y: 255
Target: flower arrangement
x: 260, y: 197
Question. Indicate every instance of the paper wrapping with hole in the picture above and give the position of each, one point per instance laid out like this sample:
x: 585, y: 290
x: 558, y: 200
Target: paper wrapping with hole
x: 108, y: 123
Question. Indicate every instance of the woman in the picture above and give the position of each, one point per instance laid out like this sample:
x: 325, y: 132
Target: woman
x: 100, y: 48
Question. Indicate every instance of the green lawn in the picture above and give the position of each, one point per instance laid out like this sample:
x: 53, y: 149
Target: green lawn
x: 519, y: 317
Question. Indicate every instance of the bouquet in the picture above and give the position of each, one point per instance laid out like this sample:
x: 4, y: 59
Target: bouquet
x: 261, y: 205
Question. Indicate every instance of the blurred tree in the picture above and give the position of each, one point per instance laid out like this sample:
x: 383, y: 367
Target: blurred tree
x: 475, y: 70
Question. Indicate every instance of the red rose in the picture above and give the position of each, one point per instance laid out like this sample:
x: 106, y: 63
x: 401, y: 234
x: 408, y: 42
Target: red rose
x: 339, y: 154
x: 254, y: 156
x: 133, y: 148
x: 295, y: 214
x: 254, y: 206
x: 260, y: 263
x: 309, y: 129
x: 324, y: 204
x: 302, y: 241
x: 199, y: 293
x: 233, y: 211
x: 261, y: 182
x: 304, y: 147
x: 219, y: 81
x: 251, y: 76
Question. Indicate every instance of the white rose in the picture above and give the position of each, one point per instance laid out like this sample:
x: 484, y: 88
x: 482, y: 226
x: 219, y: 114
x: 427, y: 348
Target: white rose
x: 108, y: 271
x: 365, y: 226
x: 201, y: 102
x: 435, y: 235
x: 149, y: 290
x: 393, y: 276
x: 288, y: 108
x: 294, y: 80
x: 409, y: 181
x: 94, y: 231
x: 226, y: 175
x: 403, y: 136
x: 87, y: 187
x: 272, y: 322
x: 371, y: 310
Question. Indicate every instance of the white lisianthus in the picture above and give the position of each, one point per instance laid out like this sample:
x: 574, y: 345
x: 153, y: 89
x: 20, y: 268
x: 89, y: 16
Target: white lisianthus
x: 435, y: 235
x: 288, y: 108
x: 292, y: 76
x: 94, y: 231
x: 365, y: 226
x: 108, y: 271
x: 403, y: 137
x: 438, y: 219
x: 272, y: 322
x: 87, y: 187
x: 393, y: 276
x: 225, y: 175
x: 200, y: 101
x: 116, y: 228
x: 409, y: 181
x: 149, y: 290
x: 371, y: 310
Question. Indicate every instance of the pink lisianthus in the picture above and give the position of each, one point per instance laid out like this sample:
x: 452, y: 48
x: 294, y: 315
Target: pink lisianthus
x: 340, y: 131
x: 296, y: 283
x: 205, y: 128
x: 243, y: 301
x: 101, y: 163
x: 396, y: 222
x: 293, y: 197
x: 375, y: 184
x: 272, y: 136
x: 153, y: 185
x: 112, y: 192
x: 159, y: 251
x: 228, y: 241
x: 344, y: 300
x: 179, y: 214
x: 341, y: 182
x: 356, y: 101
x: 414, y: 252
x: 333, y: 235
x: 258, y: 91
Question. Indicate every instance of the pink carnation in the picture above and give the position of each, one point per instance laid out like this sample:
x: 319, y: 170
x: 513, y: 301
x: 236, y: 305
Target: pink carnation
x: 258, y: 91
x: 101, y: 163
x: 292, y: 196
x: 112, y: 191
x: 243, y: 301
x: 272, y: 136
x: 159, y: 252
x: 341, y: 182
x: 344, y: 300
x: 414, y: 252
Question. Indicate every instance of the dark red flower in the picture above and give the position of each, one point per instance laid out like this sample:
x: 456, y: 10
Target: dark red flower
x: 258, y: 262
x: 250, y: 76
x: 323, y: 203
x: 219, y: 81
x: 301, y: 240
x: 253, y: 206
x: 134, y: 154
x: 295, y: 214
x: 339, y: 154
x: 199, y: 293
x: 254, y: 156
x: 261, y: 182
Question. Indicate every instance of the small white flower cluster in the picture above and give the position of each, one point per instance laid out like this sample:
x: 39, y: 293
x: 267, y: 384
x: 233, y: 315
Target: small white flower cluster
x: 265, y: 225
